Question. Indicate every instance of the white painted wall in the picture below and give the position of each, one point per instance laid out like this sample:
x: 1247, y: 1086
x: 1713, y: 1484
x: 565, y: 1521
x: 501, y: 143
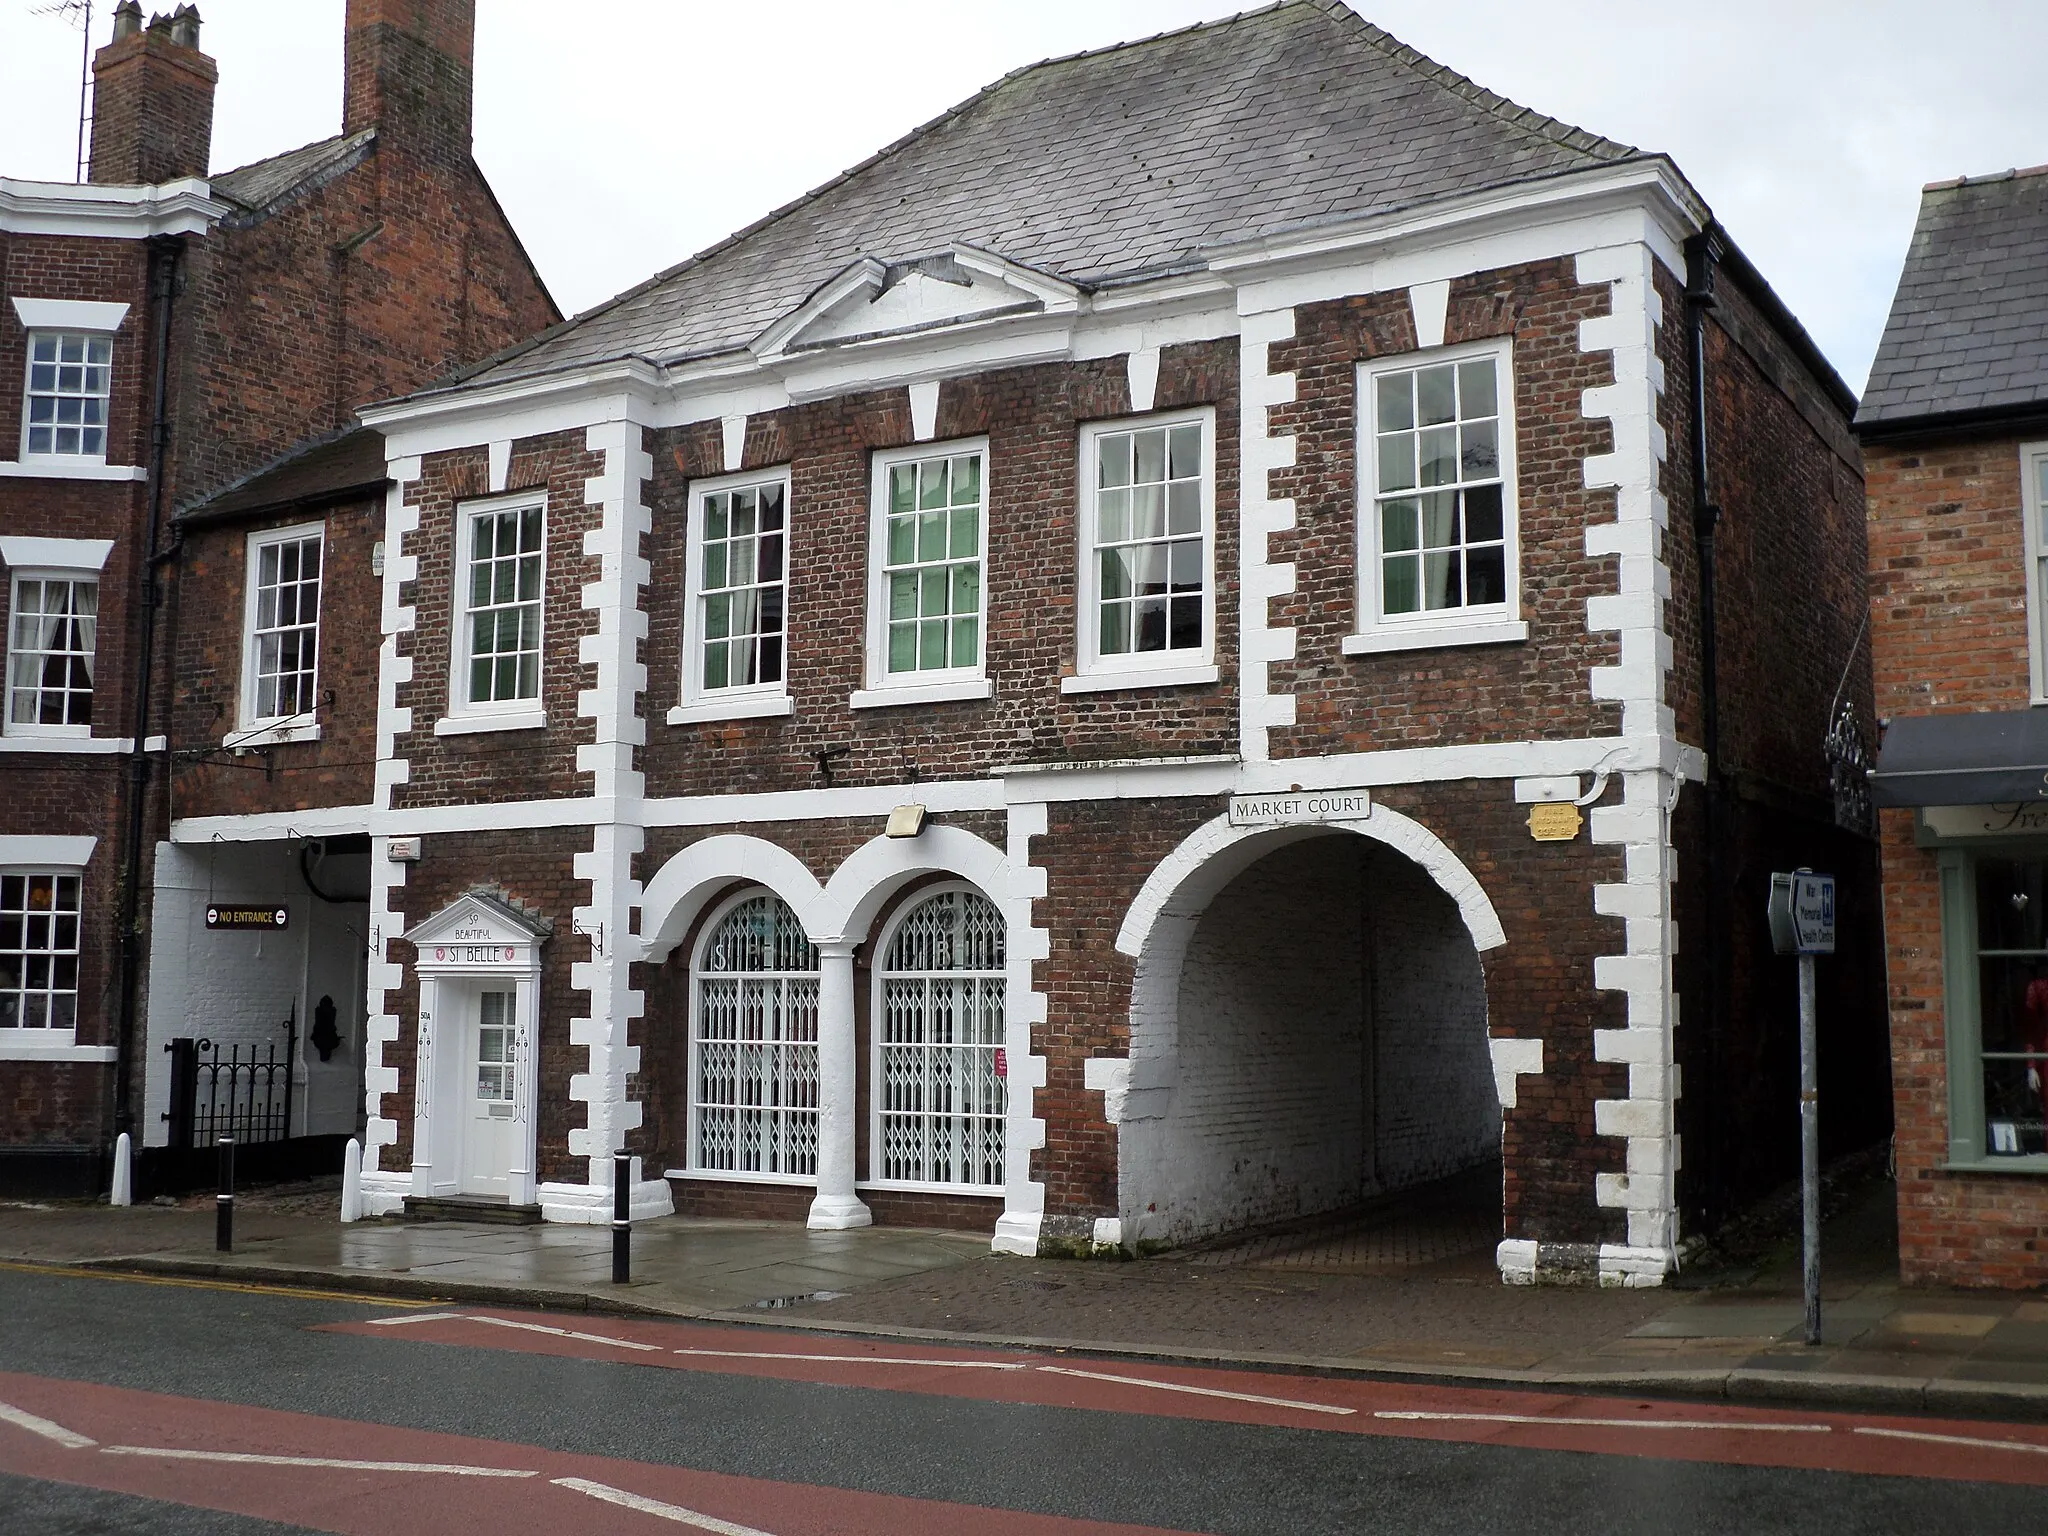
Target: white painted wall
x: 1331, y: 1045
x: 1436, y: 1110
x: 238, y: 988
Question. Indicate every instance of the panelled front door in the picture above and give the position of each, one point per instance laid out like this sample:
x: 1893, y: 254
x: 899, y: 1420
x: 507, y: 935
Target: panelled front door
x: 488, y: 1129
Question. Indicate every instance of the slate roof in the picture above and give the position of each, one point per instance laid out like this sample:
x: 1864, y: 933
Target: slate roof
x: 1120, y: 163
x: 1968, y: 332
x: 327, y: 469
x: 264, y: 182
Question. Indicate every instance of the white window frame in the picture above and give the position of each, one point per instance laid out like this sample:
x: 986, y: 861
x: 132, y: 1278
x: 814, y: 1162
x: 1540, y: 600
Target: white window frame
x: 1095, y: 672
x: 2033, y: 469
x: 258, y: 728
x: 15, y: 577
x: 466, y: 715
x: 744, y: 701
x: 884, y: 942
x: 47, y: 1041
x: 692, y: 1169
x: 940, y: 684
x: 56, y: 457
x: 1491, y: 624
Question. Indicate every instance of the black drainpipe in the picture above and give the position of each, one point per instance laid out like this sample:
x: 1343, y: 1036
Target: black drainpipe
x: 1702, y: 260
x: 164, y: 254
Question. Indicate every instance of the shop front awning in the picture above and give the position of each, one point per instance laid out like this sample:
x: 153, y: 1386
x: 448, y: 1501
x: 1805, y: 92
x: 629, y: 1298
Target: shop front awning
x: 1980, y: 759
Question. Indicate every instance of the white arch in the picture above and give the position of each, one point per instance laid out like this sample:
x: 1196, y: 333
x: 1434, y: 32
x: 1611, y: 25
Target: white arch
x: 1215, y: 853
x: 682, y: 887
x: 882, y: 866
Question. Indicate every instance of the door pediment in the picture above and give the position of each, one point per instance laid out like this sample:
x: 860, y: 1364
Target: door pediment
x: 478, y: 931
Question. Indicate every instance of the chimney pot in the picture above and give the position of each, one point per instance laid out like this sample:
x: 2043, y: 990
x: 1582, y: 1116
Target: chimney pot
x: 152, y: 98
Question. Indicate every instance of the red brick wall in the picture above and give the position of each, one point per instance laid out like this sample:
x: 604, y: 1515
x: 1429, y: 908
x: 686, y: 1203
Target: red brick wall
x: 1948, y: 581
x: 207, y: 628
x: 508, y: 765
x: 1949, y: 635
x: 381, y: 281
x: 1477, y: 693
x: 1032, y: 417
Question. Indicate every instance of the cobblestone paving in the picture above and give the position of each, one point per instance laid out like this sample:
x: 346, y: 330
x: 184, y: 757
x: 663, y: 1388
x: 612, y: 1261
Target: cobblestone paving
x: 1435, y: 1225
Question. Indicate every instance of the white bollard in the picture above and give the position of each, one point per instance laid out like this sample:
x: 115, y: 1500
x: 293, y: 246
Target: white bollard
x: 352, y: 1181
x: 124, y: 1180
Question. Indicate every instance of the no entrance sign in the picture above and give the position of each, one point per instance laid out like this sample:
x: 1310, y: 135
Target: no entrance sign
x: 260, y: 918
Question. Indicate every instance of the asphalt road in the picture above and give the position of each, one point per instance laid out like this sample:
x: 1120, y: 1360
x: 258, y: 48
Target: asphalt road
x: 131, y: 1405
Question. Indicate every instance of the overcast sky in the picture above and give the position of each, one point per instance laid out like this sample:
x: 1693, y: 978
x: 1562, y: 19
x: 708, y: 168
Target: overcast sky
x: 623, y: 137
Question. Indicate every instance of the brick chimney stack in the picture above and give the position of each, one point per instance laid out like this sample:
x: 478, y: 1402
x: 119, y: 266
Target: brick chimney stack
x: 409, y: 75
x: 152, y: 99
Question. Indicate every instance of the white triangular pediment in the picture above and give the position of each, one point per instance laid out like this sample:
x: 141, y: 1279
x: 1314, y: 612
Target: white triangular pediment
x: 872, y: 300
x: 476, y: 920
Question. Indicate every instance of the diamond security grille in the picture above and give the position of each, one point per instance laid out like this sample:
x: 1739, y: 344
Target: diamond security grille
x: 941, y: 1105
x: 754, y: 1037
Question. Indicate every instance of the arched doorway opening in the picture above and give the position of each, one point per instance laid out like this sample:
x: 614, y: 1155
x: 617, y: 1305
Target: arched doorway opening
x: 1308, y: 1034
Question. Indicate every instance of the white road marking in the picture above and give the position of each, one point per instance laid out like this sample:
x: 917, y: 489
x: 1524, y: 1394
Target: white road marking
x: 250, y: 1459
x: 410, y: 1317
x: 560, y: 1333
x: 655, y: 1507
x: 768, y: 1354
x: 1174, y: 1386
x: 1546, y: 1418
x: 1969, y: 1440
x: 21, y: 1418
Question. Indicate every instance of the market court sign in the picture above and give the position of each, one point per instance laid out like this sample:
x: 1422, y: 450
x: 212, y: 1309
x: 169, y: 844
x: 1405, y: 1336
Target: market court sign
x: 1298, y: 808
x: 227, y: 919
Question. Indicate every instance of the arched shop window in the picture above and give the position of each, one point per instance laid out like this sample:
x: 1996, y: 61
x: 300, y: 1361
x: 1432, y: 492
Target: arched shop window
x: 754, y: 1045
x: 938, y: 1030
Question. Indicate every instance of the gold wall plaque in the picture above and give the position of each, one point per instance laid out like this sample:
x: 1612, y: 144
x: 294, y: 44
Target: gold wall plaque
x: 1555, y: 821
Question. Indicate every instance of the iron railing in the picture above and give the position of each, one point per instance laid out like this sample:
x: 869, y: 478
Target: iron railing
x: 246, y: 1093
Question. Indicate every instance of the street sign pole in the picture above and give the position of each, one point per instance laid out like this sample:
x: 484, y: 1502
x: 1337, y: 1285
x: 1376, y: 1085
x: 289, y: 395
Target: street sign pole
x: 1809, y: 1148
x: 1802, y: 916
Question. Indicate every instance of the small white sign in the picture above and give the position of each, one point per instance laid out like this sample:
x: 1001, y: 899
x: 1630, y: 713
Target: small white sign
x: 1300, y: 808
x: 1985, y: 820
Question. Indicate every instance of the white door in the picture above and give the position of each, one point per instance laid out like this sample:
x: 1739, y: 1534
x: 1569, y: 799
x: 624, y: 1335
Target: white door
x: 487, y: 1081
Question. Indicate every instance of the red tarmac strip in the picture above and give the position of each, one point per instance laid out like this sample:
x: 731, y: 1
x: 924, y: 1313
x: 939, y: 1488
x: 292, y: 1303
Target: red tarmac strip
x: 362, y: 1479
x: 1612, y: 1426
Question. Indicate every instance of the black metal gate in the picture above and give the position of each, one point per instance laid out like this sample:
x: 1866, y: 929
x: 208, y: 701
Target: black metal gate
x: 246, y: 1094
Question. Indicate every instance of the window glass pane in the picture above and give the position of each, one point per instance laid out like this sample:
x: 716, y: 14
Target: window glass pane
x: 51, y: 640
x: 39, y: 951
x: 1438, y: 428
x: 1402, y: 593
x: 1476, y: 389
x: 932, y: 570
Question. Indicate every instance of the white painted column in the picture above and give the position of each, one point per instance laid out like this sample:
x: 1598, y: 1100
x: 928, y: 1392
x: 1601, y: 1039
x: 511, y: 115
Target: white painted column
x: 521, y: 1183
x: 837, y: 1206
x: 424, y: 1088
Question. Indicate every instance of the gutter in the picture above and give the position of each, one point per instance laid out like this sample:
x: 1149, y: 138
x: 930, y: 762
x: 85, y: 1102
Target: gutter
x: 165, y: 255
x: 1704, y: 254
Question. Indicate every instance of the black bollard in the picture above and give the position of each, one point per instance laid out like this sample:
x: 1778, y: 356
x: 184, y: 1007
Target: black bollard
x: 224, y: 1202
x: 622, y: 1219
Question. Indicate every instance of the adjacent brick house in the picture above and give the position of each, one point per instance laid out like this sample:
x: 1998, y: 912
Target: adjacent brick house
x: 170, y: 332
x: 1955, y: 433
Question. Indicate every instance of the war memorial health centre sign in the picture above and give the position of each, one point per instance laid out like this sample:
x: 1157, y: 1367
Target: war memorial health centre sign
x: 1299, y: 808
